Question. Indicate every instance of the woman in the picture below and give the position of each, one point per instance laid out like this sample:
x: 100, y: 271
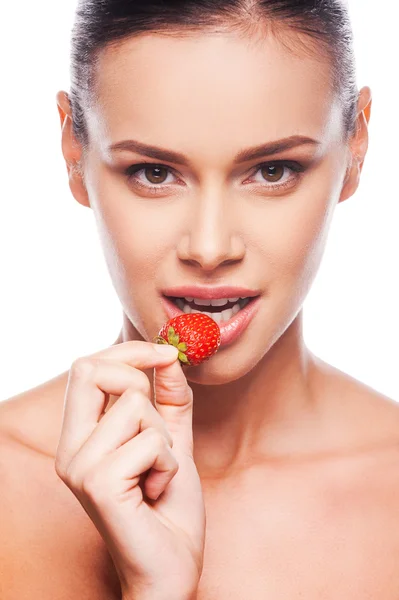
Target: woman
x: 213, y: 142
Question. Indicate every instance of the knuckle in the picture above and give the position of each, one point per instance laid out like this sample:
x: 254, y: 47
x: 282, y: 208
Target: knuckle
x: 157, y: 439
x: 93, y: 484
x: 175, y: 468
x: 136, y: 399
x: 83, y: 367
x: 171, y: 387
x: 142, y: 382
x: 60, y: 468
x: 175, y: 465
x: 72, y: 477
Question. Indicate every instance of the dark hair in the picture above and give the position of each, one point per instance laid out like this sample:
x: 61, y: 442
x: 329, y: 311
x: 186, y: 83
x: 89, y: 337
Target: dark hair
x: 323, y: 27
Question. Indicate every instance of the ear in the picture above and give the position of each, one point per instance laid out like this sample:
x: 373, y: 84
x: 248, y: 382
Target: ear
x: 358, y: 145
x: 71, y: 150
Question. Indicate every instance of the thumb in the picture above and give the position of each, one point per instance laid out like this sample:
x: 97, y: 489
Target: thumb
x: 173, y: 399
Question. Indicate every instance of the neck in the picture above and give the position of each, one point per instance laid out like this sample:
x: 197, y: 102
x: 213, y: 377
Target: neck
x: 270, y: 412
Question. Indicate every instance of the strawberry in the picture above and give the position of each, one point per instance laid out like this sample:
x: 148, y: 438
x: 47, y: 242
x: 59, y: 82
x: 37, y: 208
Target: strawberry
x: 195, y: 335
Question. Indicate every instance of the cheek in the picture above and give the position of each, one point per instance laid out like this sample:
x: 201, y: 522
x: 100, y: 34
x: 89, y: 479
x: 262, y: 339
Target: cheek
x: 134, y: 245
x: 296, y: 232
x: 134, y: 234
x: 301, y: 239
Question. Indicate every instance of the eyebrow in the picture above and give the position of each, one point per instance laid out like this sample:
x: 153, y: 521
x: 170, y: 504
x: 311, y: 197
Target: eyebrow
x: 163, y: 154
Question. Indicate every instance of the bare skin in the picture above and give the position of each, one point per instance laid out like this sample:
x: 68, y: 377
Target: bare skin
x: 298, y: 461
x: 328, y: 517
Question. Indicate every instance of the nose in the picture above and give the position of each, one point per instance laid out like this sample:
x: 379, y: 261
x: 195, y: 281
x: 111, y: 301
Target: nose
x: 212, y: 238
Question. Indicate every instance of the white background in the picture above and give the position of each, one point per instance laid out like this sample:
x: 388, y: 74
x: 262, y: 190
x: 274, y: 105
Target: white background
x: 57, y: 300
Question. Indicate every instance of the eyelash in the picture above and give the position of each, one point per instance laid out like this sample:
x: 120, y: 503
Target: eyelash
x: 295, y: 167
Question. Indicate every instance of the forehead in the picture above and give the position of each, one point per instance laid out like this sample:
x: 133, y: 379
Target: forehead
x: 210, y: 88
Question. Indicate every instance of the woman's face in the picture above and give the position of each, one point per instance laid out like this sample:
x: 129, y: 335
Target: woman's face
x: 210, y: 219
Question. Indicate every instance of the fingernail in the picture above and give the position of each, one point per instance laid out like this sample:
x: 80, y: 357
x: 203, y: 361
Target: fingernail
x: 166, y: 350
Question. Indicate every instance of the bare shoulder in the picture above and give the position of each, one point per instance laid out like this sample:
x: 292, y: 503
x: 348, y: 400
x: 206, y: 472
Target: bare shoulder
x: 24, y: 475
x: 362, y: 414
x: 49, y: 548
x: 34, y: 416
x: 30, y: 425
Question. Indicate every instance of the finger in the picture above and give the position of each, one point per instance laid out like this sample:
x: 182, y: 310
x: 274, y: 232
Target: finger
x: 130, y: 415
x: 89, y: 381
x: 119, y: 473
x: 174, y: 402
x: 138, y: 354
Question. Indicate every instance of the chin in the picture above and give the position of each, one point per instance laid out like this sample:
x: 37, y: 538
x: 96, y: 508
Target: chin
x: 218, y: 370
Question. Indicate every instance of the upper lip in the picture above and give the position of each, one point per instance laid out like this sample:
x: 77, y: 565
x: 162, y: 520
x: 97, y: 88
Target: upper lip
x: 210, y: 293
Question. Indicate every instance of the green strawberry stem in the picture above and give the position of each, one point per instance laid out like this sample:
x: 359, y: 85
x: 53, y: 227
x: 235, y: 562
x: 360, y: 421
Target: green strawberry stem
x: 173, y: 338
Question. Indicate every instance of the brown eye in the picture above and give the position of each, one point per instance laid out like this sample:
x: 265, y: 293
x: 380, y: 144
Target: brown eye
x: 156, y: 174
x: 273, y: 172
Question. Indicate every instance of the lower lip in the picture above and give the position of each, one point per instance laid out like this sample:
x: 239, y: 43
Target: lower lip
x: 229, y: 330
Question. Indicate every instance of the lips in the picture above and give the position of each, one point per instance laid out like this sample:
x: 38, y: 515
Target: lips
x: 229, y: 330
x: 210, y: 293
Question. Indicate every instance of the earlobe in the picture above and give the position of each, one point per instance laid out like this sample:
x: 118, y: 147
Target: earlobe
x: 77, y: 186
x: 351, y: 181
x: 72, y: 151
x: 367, y: 110
x: 358, y: 145
x: 361, y: 139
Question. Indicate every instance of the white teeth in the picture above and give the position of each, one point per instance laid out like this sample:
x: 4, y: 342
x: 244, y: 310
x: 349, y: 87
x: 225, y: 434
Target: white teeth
x: 220, y: 317
x: 215, y: 302
x: 235, y: 309
x: 220, y: 302
x: 201, y: 302
x: 216, y: 316
x: 227, y: 314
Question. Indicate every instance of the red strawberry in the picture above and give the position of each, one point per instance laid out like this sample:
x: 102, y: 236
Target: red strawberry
x: 196, y: 336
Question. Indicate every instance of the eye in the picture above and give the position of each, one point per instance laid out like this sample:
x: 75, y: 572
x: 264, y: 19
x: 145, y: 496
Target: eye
x: 272, y: 172
x: 153, y: 178
x: 152, y: 174
x: 276, y: 175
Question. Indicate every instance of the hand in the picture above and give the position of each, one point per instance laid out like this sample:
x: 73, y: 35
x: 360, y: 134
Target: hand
x: 132, y: 467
